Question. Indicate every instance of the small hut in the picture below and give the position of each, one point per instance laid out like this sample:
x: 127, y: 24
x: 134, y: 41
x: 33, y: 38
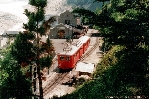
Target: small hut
x: 85, y: 68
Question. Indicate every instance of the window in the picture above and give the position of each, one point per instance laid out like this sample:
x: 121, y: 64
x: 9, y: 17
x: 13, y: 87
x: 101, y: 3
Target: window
x: 67, y: 22
x: 68, y: 58
x: 61, y: 57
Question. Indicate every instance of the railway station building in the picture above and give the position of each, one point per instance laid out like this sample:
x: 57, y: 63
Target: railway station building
x: 67, y: 25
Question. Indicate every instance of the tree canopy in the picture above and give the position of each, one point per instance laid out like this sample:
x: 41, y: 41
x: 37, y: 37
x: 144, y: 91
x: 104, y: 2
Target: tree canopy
x: 13, y: 82
x: 28, y: 48
x: 121, y: 22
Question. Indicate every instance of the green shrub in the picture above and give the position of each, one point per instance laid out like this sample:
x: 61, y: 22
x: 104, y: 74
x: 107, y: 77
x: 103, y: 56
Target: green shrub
x: 108, y: 60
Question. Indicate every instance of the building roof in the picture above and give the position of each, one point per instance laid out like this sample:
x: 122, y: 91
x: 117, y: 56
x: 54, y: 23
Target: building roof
x: 70, y: 49
x: 6, y: 33
x: 85, y: 67
x: 61, y: 26
x: 66, y: 11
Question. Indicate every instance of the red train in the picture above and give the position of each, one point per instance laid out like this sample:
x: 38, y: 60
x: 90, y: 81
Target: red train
x: 72, y: 53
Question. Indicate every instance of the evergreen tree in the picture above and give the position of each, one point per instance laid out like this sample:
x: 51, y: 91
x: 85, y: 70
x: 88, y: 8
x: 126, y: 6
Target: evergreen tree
x: 129, y: 25
x: 13, y: 82
x: 28, y: 48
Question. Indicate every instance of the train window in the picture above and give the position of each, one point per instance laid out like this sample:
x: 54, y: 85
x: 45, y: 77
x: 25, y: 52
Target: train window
x: 68, y: 58
x: 61, y: 57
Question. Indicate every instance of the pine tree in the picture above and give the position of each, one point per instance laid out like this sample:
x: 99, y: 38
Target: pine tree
x: 13, y: 83
x: 28, y: 49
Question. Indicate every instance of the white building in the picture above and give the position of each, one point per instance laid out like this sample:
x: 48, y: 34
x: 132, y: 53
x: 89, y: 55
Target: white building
x: 7, y: 38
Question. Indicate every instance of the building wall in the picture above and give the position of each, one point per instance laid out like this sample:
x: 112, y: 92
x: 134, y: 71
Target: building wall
x: 67, y: 18
x: 54, y: 32
x: 7, y: 38
x: 6, y: 41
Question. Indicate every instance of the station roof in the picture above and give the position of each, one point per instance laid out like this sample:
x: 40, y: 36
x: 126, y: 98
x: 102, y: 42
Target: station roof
x: 85, y: 67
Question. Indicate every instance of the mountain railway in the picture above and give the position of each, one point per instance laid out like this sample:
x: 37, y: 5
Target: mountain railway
x: 58, y: 77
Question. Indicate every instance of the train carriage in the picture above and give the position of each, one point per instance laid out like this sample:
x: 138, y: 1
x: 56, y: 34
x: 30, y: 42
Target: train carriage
x: 71, y: 53
x: 85, y: 42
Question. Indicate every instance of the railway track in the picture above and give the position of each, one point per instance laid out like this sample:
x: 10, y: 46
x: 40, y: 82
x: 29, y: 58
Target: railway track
x: 58, y: 77
x: 57, y: 80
